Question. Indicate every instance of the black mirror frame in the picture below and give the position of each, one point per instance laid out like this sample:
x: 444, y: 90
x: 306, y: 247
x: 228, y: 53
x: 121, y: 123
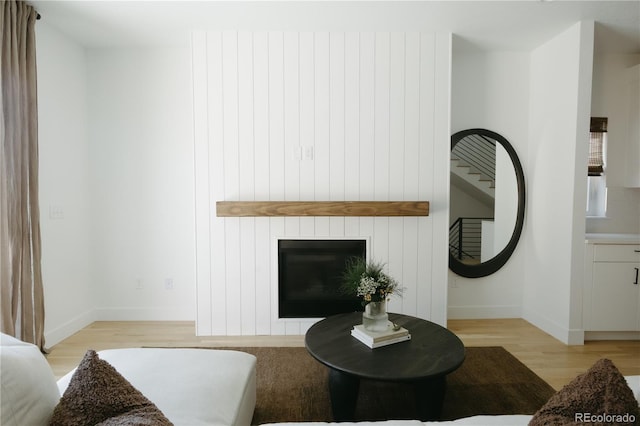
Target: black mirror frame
x: 494, y: 264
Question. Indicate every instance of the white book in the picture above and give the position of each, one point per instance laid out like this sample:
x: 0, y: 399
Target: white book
x: 386, y: 342
x: 379, y: 336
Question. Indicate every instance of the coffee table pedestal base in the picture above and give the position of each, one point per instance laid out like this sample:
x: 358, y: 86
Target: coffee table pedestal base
x: 429, y: 396
x: 343, y: 391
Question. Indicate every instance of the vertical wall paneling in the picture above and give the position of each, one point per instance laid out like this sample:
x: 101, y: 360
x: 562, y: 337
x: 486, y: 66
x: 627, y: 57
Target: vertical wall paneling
x: 260, y: 89
x: 410, y: 264
x: 247, y: 299
x: 352, y: 127
x: 409, y: 172
x: 307, y: 125
x: 262, y: 268
x: 381, y: 142
x: 246, y: 117
x: 263, y: 303
x: 230, y: 117
x: 307, y: 114
x: 276, y: 115
x: 426, y: 115
x: 322, y: 124
x: 366, y: 108
x: 231, y: 147
x: 232, y: 278
x: 411, y: 110
x: 395, y: 157
x: 246, y: 143
x: 293, y: 152
x: 277, y: 230
x: 351, y: 116
x: 394, y: 256
x: 293, y: 143
x: 397, y: 122
x: 317, y: 116
x: 277, y: 156
x: 202, y: 189
x: 336, y: 79
x: 216, y: 174
x: 321, y: 119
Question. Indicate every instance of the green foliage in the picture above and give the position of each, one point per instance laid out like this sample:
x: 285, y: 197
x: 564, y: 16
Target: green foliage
x: 367, y: 280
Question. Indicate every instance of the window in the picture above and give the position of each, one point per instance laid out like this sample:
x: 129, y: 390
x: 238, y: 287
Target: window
x: 596, y: 179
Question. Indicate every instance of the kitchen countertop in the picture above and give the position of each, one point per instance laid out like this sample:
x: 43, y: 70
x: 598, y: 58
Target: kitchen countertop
x: 612, y: 238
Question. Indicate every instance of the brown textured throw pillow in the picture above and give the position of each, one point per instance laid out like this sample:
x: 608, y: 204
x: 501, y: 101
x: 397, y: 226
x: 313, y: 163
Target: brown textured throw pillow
x: 601, y: 396
x: 99, y: 395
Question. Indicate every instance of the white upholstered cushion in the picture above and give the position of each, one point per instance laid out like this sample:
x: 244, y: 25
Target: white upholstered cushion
x: 634, y: 384
x: 190, y: 386
x: 28, y: 388
x: 506, y: 420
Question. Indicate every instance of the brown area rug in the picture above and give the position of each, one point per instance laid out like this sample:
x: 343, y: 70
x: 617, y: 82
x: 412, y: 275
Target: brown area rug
x: 292, y: 386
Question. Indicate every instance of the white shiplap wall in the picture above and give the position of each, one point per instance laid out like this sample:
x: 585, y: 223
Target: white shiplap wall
x: 318, y: 116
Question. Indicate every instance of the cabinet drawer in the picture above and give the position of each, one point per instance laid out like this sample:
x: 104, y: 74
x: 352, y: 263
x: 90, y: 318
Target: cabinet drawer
x: 616, y: 253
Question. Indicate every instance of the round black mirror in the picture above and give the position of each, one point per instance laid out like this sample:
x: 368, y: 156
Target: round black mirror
x: 486, y: 202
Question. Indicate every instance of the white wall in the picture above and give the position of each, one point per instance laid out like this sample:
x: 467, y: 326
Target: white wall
x: 141, y: 157
x: 116, y: 159
x: 64, y: 184
x: 554, y: 233
x: 368, y: 105
x: 610, y: 99
x: 490, y: 90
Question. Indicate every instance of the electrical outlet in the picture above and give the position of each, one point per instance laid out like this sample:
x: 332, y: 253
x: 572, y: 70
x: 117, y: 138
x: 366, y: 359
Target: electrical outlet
x: 307, y: 152
x: 56, y: 212
x: 296, y: 153
x: 168, y: 283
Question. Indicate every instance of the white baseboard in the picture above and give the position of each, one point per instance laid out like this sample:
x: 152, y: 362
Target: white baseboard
x: 484, y: 312
x: 565, y: 335
x: 144, y: 314
x: 69, y: 328
x: 612, y: 335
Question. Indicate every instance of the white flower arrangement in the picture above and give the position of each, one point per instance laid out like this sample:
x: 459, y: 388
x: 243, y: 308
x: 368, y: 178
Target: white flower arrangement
x: 368, y: 281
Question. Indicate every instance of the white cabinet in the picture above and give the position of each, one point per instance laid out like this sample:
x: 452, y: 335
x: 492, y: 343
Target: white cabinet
x: 612, y: 287
x: 632, y: 172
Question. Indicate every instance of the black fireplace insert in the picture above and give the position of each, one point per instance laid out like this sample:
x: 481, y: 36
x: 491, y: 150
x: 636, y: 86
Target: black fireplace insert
x: 310, y: 277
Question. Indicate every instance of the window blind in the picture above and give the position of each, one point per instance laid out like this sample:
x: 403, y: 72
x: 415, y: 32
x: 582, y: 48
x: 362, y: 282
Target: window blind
x: 596, y: 146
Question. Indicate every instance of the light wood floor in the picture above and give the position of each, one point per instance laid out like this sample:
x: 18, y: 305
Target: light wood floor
x: 552, y: 360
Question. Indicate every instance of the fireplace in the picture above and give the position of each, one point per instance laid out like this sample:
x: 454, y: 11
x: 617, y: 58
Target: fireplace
x: 309, y: 277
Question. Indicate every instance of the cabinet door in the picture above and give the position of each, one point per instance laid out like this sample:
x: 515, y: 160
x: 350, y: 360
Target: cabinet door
x: 616, y: 297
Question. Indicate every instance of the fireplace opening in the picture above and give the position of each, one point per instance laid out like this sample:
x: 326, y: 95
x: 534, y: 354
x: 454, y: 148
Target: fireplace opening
x: 310, y: 277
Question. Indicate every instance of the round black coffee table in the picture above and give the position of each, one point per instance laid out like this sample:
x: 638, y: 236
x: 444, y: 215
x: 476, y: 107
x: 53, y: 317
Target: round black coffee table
x: 425, y: 360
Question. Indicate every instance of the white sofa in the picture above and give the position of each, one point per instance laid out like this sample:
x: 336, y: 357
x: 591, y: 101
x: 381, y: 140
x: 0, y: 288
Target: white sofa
x: 502, y: 420
x: 190, y: 386
x: 510, y: 420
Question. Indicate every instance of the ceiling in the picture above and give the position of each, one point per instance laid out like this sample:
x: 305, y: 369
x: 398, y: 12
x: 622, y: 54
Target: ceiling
x: 488, y: 25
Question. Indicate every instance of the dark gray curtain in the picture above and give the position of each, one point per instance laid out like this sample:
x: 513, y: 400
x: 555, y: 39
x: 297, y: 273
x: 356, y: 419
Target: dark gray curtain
x: 21, y: 303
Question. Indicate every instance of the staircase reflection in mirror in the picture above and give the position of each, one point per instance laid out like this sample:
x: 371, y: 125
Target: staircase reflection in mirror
x: 487, y: 202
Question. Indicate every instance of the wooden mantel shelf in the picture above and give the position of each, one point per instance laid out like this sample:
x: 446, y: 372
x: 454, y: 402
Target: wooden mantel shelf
x: 321, y: 208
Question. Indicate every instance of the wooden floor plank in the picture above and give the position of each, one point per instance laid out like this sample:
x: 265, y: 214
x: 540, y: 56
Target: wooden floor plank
x: 551, y: 359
